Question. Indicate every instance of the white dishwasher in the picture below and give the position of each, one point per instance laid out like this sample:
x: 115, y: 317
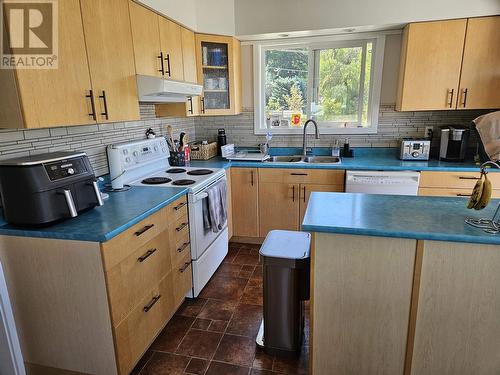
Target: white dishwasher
x: 382, y: 182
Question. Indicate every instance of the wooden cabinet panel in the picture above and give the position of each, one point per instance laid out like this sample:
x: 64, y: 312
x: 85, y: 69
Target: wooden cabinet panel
x: 179, y: 238
x: 138, y: 273
x: 457, y: 330
x: 189, y: 55
x: 120, y: 247
x: 302, y: 176
x: 182, y: 279
x: 171, y: 46
x: 54, y: 97
x: 480, y: 67
x: 177, y: 209
x: 146, y: 40
x: 134, y: 335
x: 360, y: 297
x: 245, y: 202
x: 446, y: 192
x: 455, y: 180
x: 111, y: 59
x: 305, y: 193
x: 278, y: 207
x: 229, y: 205
x: 430, y: 65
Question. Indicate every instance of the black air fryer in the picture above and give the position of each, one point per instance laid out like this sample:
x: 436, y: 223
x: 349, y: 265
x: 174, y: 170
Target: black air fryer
x: 43, y: 189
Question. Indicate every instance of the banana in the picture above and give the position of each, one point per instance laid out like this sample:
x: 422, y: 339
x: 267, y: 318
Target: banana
x: 476, y: 193
x: 485, y: 195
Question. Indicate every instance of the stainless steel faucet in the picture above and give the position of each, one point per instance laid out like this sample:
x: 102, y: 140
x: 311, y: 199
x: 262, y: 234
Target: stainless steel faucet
x: 304, y: 140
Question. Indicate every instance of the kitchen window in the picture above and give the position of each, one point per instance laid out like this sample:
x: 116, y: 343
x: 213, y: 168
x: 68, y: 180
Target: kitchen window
x: 335, y: 80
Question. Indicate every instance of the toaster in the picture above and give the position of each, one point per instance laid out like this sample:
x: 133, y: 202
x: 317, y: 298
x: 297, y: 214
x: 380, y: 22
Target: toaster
x: 415, y: 149
x: 43, y: 189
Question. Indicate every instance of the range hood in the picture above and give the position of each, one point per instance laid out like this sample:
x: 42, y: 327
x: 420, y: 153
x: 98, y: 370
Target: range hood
x: 158, y: 90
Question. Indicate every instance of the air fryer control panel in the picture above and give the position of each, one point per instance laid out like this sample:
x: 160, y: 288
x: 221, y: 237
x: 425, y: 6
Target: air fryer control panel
x: 415, y: 149
x: 65, y: 168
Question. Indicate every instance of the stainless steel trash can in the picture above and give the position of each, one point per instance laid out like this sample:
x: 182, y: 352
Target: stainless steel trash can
x: 286, y: 273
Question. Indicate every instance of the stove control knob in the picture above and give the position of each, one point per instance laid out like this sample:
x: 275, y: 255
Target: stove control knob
x: 127, y: 160
x: 135, y: 153
x: 125, y: 152
x: 156, y: 148
x: 71, y: 171
x: 163, y: 149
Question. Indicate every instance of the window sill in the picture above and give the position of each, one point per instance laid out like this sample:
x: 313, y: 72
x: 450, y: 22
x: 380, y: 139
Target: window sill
x: 322, y: 130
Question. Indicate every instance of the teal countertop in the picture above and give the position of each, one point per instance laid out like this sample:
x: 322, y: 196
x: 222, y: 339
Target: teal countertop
x: 364, y: 159
x: 422, y: 218
x: 119, y: 212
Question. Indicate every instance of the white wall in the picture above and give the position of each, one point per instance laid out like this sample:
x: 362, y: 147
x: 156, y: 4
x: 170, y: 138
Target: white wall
x: 389, y: 74
x: 274, y: 16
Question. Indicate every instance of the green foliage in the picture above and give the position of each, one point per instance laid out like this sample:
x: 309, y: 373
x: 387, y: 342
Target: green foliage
x: 294, y: 101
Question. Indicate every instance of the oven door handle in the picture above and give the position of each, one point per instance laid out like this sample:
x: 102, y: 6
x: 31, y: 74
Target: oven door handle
x: 200, y: 196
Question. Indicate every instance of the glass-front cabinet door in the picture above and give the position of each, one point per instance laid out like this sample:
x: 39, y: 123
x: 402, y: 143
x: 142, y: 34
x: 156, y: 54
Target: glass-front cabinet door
x: 219, y: 73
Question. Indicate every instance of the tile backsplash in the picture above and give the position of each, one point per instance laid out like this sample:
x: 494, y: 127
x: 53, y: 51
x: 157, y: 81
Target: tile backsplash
x: 239, y: 129
x: 391, y: 128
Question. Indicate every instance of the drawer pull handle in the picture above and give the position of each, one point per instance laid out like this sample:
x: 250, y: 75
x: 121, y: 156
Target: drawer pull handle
x: 298, y: 174
x: 183, y: 247
x: 179, y: 206
x: 184, y: 267
x: 146, y: 255
x: 143, y: 230
x: 468, y: 178
x: 150, y: 305
x: 181, y: 227
x: 463, y: 195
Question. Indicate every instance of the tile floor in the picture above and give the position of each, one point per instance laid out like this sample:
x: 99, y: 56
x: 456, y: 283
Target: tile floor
x: 215, y: 333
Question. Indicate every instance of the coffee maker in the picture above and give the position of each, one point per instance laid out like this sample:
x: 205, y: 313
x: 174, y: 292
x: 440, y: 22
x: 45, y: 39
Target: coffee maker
x: 454, y: 141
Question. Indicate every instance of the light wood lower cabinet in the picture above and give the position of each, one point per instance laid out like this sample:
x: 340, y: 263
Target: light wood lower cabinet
x: 245, y: 201
x: 454, y: 184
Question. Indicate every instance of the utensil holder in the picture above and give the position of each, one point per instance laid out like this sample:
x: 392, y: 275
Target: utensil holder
x: 177, y: 159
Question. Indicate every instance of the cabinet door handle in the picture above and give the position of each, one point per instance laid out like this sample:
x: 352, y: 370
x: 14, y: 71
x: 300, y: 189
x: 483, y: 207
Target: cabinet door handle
x: 152, y: 303
x: 103, y: 97
x: 167, y: 59
x: 304, y: 189
x: 144, y: 230
x: 92, y: 114
x: 183, y: 247
x: 251, y: 177
x: 202, y: 100
x: 190, y: 100
x: 181, y: 227
x: 146, y: 255
x: 451, y: 93
x: 162, y: 70
x: 463, y: 195
x: 293, y: 193
x: 184, y: 267
x: 298, y: 174
x: 179, y: 206
x: 464, y: 103
x: 468, y: 178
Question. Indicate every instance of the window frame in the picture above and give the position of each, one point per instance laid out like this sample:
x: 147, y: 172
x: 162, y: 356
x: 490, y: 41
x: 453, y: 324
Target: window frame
x: 313, y: 44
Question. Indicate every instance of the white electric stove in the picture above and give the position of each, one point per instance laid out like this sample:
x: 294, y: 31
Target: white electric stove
x: 145, y: 163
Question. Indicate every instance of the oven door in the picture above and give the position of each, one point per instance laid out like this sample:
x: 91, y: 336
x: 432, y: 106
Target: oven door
x: 201, y: 238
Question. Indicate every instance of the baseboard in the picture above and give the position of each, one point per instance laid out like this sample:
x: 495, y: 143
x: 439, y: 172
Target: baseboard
x: 250, y: 240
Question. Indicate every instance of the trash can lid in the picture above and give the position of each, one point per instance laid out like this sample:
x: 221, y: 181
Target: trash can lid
x: 286, y: 244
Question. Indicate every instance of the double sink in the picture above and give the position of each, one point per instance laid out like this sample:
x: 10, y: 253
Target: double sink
x: 305, y: 159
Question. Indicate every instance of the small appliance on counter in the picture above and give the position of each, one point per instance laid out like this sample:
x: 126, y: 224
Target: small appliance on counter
x: 454, y: 140
x: 42, y: 189
x: 415, y: 149
x: 221, y: 140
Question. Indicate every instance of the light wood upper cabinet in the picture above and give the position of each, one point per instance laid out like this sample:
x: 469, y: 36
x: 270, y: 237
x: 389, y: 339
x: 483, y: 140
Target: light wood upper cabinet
x: 480, y: 79
x: 111, y: 59
x: 219, y: 71
x: 34, y: 98
x: 245, y: 201
x: 146, y: 40
x: 171, y: 46
x: 190, y: 73
x: 430, y: 65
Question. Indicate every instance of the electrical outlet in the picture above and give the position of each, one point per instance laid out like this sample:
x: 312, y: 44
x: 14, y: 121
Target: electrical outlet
x: 429, y: 130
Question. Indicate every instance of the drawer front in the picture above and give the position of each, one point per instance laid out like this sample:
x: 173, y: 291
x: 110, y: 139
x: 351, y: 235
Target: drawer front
x: 455, y: 180
x: 437, y: 192
x: 180, y: 247
x: 302, y: 176
x: 179, y: 232
x: 131, y: 279
x: 183, y: 279
x: 136, y: 333
x: 177, y: 209
x: 120, y: 247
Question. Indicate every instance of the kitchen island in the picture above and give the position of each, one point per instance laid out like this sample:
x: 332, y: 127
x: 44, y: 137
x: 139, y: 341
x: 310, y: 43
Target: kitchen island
x: 401, y: 285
